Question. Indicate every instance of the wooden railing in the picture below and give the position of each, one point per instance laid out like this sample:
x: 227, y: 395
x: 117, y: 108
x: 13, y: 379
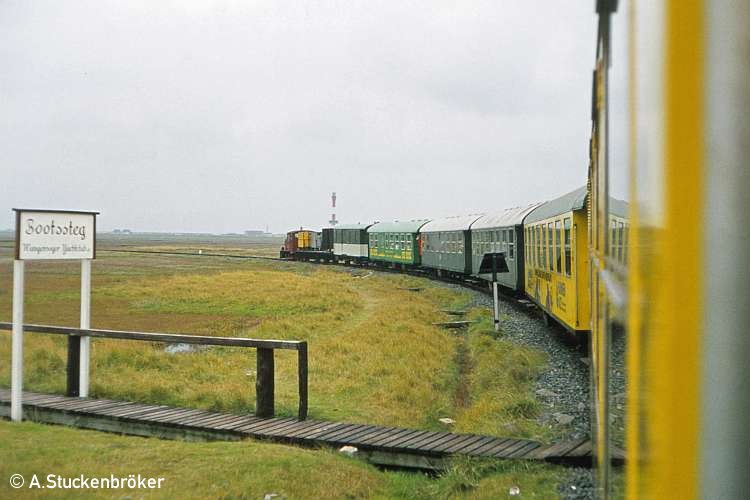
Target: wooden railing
x: 264, y: 385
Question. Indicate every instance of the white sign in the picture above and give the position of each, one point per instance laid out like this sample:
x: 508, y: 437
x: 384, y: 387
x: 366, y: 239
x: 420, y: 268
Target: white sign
x: 50, y: 235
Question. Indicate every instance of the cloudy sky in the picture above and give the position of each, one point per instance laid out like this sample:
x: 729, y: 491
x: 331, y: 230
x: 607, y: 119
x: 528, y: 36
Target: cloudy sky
x: 226, y: 116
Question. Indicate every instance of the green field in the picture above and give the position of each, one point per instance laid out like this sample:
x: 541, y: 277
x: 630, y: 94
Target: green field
x: 375, y: 357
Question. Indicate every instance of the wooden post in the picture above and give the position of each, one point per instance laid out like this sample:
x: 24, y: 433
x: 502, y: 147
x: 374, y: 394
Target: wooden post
x: 74, y: 366
x: 302, y: 374
x: 264, y: 384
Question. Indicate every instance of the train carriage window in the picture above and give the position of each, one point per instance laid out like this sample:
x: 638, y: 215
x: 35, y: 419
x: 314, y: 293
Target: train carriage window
x: 620, y: 241
x: 558, y: 254
x: 566, y: 229
x: 550, y: 247
x: 511, y: 245
x: 542, y: 252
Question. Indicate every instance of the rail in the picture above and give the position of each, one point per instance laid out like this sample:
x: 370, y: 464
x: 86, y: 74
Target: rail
x: 264, y: 384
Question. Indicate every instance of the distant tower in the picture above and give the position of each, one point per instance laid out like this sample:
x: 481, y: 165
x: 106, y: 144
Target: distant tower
x: 333, y: 220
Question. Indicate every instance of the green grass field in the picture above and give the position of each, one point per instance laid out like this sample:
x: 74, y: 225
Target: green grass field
x: 375, y: 357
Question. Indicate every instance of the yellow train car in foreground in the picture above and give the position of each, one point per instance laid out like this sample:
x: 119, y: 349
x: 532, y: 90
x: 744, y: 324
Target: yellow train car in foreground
x: 685, y: 288
x: 557, y: 260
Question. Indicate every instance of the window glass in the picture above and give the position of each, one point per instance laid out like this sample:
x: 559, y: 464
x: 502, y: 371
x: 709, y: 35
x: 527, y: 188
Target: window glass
x: 542, y: 247
x: 566, y: 229
x: 620, y: 241
x: 511, y: 245
x: 558, y: 241
x: 550, y: 247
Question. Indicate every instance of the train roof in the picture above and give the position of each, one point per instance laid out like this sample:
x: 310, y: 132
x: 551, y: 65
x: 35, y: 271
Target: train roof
x: 454, y: 223
x: 575, y: 200
x: 508, y: 217
x: 352, y: 226
x: 407, y: 226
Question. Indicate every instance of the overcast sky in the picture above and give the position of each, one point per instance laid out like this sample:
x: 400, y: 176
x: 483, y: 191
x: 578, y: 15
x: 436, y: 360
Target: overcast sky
x: 226, y: 116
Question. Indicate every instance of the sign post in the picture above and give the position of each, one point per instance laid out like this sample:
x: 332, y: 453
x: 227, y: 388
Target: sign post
x: 52, y: 235
x: 494, y: 263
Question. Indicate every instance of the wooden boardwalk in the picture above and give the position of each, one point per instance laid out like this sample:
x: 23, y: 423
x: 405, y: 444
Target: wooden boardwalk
x: 385, y: 445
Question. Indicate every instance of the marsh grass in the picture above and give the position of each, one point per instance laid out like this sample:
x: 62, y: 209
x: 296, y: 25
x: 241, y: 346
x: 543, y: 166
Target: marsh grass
x: 247, y: 469
x: 375, y: 356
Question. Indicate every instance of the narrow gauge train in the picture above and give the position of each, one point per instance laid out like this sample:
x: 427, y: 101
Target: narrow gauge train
x: 541, y: 244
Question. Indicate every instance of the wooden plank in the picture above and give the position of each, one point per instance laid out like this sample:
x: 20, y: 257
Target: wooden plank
x: 76, y: 403
x: 175, y: 338
x: 351, y: 437
x: 486, y: 448
x: 341, y: 433
x: 343, y: 428
x: 559, y: 449
x: 416, y: 440
x: 268, y: 424
x: 508, y: 452
x: 170, y: 414
x: 286, y: 429
x: 443, y: 444
x: 134, y: 411
x: 583, y: 450
x: 195, y: 420
x: 178, y: 416
x: 467, y: 439
x: 264, y: 422
x: 398, y: 437
x: 87, y: 405
x: 364, y: 432
x: 278, y: 428
x: 49, y: 398
x: 317, y: 430
x: 310, y: 433
x: 460, y: 446
x: 200, y: 421
x: 406, y: 441
x: 116, y: 411
x: 32, y: 397
x: 469, y: 450
x: 228, y: 420
x: 394, y: 434
x: 236, y: 422
x: 123, y: 406
x: 215, y: 420
x: 428, y: 440
x: 375, y: 436
x: 345, y: 437
x: 529, y: 447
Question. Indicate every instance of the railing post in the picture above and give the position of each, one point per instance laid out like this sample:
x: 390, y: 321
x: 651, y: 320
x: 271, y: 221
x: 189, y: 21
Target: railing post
x: 302, y: 375
x: 264, y: 384
x: 74, y: 366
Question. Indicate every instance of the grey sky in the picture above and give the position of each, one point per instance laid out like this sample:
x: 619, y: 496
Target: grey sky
x: 225, y: 116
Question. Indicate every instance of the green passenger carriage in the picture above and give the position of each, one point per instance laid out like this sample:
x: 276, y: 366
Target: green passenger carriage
x: 396, y: 242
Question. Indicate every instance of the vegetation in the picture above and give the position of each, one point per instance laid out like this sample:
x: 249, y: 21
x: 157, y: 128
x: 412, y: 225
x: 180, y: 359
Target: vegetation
x: 375, y: 357
x: 247, y: 469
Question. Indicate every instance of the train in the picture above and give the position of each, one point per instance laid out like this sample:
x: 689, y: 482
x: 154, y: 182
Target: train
x: 543, y: 245
x: 668, y: 268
